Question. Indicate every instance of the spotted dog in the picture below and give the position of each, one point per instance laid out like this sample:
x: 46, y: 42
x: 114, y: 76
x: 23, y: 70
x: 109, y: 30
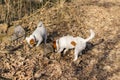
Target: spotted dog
x: 37, y: 36
x: 70, y: 42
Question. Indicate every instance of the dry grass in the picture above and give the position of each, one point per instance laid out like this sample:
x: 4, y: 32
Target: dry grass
x: 16, y: 9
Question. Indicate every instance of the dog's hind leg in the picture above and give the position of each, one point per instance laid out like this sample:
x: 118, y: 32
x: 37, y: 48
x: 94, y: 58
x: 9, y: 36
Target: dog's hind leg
x: 75, y: 55
x: 78, y: 50
x: 45, y: 38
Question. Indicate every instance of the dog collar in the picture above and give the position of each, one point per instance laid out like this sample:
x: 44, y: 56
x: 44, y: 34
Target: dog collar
x: 35, y: 38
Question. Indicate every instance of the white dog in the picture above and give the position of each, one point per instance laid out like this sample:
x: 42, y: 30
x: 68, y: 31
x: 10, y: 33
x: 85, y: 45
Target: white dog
x: 37, y: 36
x: 69, y: 42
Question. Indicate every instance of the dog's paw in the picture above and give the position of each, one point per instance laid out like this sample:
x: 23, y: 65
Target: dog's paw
x: 37, y: 45
x: 74, y: 59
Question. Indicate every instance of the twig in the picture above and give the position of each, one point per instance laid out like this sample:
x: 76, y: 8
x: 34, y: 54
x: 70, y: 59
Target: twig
x: 5, y: 51
x: 18, y: 37
x: 11, y: 50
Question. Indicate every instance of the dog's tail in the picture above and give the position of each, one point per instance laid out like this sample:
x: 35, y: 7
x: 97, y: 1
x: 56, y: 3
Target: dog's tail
x: 91, y: 35
x: 40, y: 24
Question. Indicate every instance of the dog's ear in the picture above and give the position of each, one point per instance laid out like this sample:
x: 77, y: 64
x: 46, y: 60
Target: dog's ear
x: 54, y: 44
x: 54, y: 41
x: 32, y: 42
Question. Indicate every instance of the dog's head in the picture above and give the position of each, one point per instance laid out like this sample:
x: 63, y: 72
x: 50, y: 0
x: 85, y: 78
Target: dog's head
x: 30, y: 41
x: 55, y: 45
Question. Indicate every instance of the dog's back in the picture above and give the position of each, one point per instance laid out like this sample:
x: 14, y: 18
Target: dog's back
x: 66, y: 41
x: 40, y: 30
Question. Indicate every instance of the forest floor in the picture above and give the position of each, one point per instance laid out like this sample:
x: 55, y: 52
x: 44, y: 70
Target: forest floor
x: 99, y: 61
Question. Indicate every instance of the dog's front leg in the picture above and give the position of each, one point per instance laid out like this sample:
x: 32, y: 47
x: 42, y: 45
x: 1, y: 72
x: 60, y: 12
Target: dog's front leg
x: 39, y: 43
x: 60, y: 50
x: 65, y: 50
